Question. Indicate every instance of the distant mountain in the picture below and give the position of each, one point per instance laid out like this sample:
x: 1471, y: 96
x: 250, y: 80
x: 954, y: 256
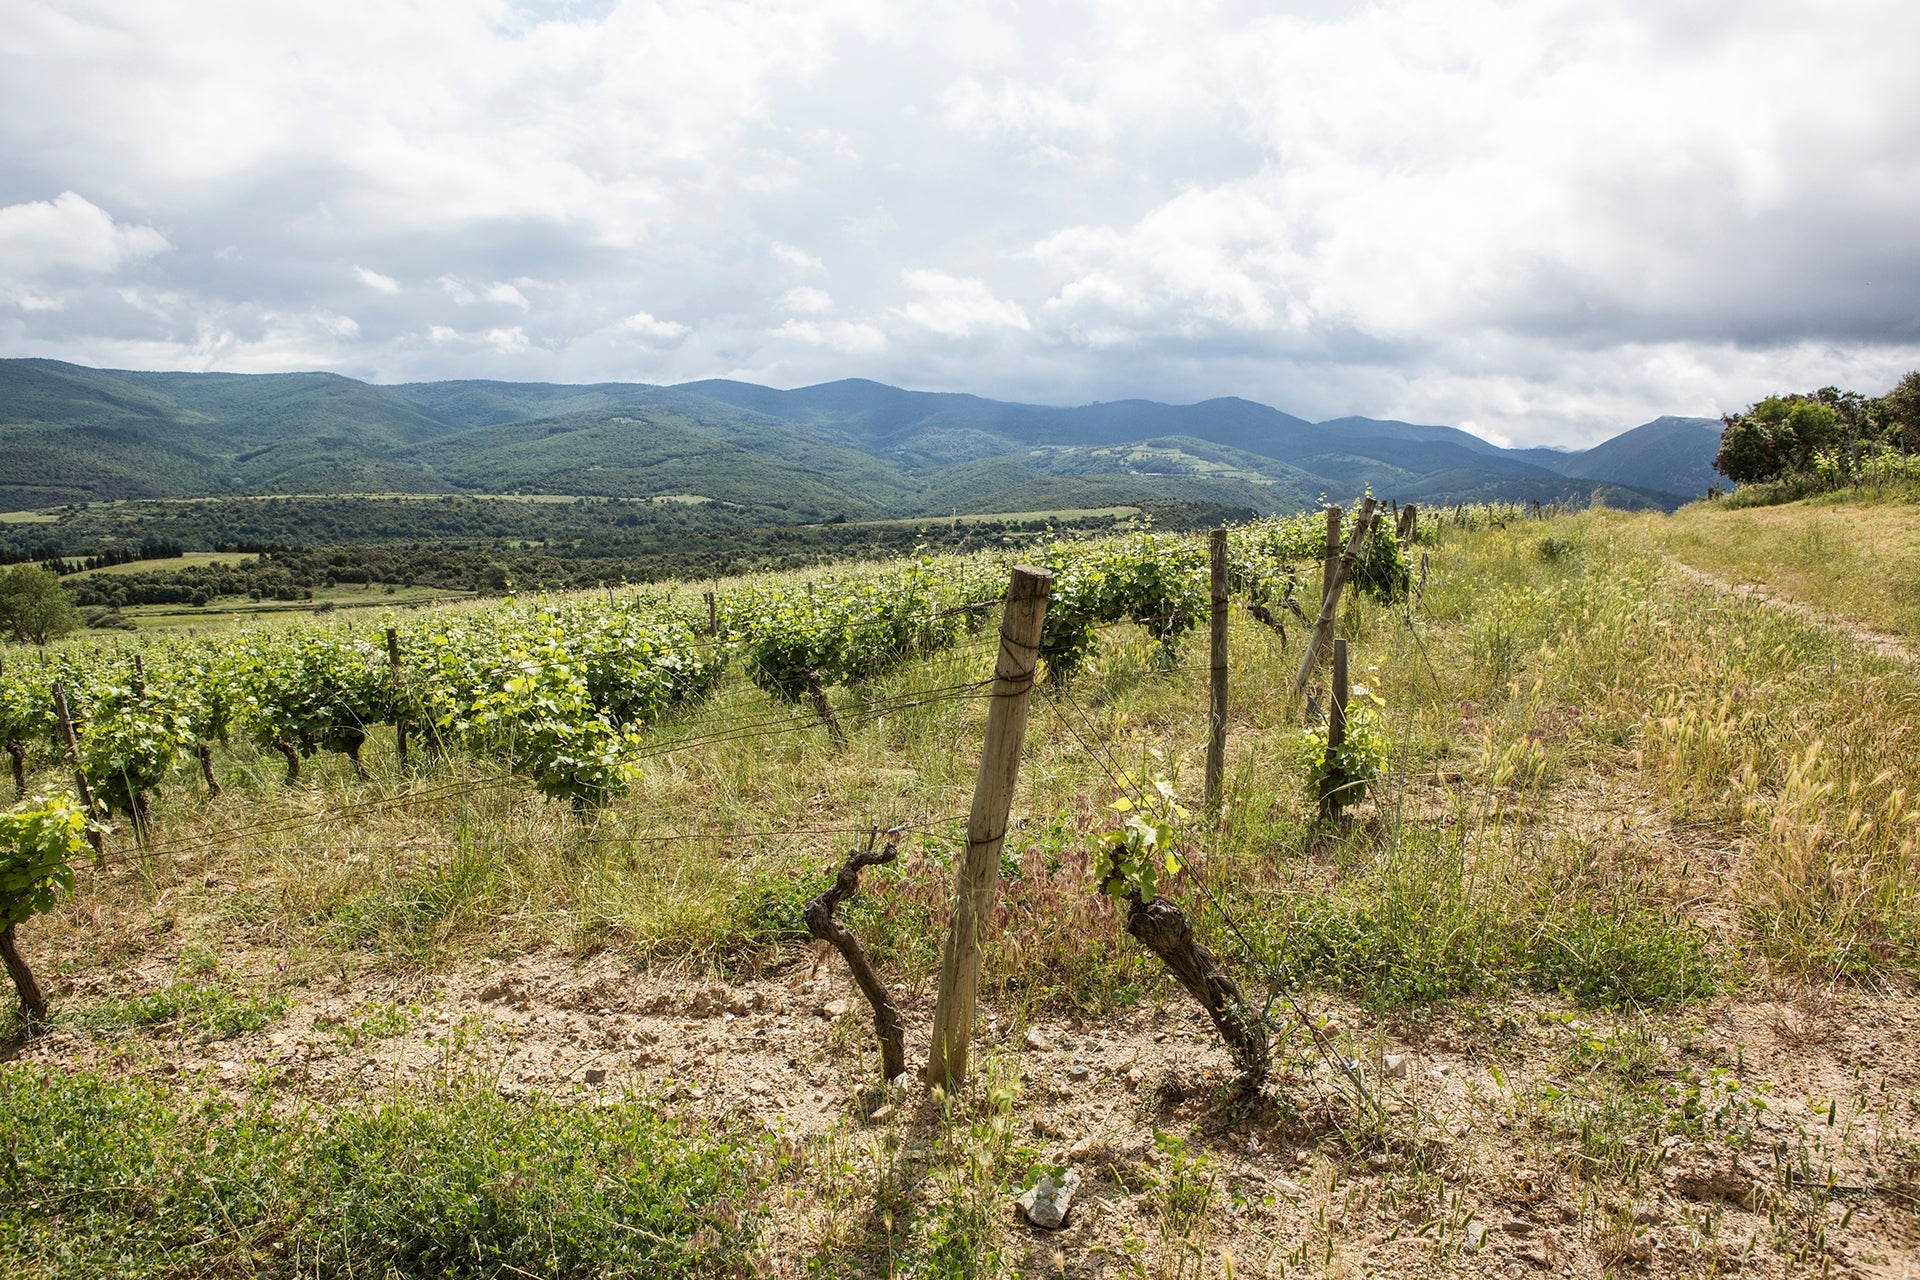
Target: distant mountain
x: 852, y: 449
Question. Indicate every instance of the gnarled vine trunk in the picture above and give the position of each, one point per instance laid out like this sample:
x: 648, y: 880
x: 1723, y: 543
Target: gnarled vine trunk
x: 31, y: 1001
x: 1162, y: 927
x: 887, y: 1024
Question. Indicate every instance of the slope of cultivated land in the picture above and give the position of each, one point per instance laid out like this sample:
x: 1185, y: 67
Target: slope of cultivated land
x: 1623, y: 946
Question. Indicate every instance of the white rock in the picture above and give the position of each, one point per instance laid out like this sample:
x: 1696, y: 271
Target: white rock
x: 1047, y: 1202
x: 1396, y: 1066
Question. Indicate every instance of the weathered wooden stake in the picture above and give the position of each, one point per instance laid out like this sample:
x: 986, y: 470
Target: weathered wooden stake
x: 1409, y: 524
x: 399, y: 717
x: 1333, y: 783
x: 713, y: 616
x: 1329, y: 603
x: 80, y: 787
x: 1217, y: 717
x: 1331, y: 556
x: 979, y: 872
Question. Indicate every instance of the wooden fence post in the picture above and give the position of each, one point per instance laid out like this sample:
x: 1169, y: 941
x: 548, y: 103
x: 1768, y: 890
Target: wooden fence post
x: 1323, y: 625
x: 979, y: 873
x: 399, y: 717
x: 1217, y: 718
x: 1332, y: 554
x: 80, y: 786
x: 1333, y: 783
x: 713, y: 616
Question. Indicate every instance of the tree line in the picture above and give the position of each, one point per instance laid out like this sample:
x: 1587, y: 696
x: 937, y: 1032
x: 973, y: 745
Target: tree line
x: 1829, y: 434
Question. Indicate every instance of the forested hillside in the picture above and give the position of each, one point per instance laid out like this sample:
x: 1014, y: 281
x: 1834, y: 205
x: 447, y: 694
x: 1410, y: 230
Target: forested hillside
x: 849, y: 449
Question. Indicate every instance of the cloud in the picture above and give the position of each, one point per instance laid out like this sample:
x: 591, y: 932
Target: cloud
x: 1552, y: 221
x: 796, y: 259
x: 507, y: 295
x: 807, y: 301
x: 66, y: 235
x: 955, y: 307
x: 846, y: 336
x: 375, y: 281
x: 648, y: 327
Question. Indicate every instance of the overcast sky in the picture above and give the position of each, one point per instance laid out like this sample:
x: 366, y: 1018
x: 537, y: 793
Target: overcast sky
x: 1542, y: 221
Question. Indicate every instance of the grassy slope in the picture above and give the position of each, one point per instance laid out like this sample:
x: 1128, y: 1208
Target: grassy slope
x: 1611, y: 784
x: 1856, y: 560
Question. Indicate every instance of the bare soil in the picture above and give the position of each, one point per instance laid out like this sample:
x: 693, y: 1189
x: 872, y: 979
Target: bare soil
x: 1476, y: 1170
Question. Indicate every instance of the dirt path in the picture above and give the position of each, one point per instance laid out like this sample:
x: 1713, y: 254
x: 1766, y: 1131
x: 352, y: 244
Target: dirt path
x: 1885, y: 645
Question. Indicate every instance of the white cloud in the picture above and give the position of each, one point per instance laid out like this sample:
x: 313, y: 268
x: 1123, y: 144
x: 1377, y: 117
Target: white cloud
x: 845, y: 336
x: 69, y: 233
x: 796, y: 259
x: 375, y: 281
x: 649, y: 327
x: 807, y: 301
x: 507, y: 295
x: 507, y: 341
x: 955, y: 306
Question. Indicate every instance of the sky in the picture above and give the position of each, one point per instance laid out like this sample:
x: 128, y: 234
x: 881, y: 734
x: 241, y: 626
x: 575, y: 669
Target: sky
x: 1545, y: 222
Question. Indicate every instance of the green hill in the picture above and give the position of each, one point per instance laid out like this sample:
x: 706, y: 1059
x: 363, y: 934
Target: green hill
x: 851, y: 448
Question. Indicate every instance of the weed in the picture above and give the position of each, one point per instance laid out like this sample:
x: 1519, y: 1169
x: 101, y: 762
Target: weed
x: 119, y: 1178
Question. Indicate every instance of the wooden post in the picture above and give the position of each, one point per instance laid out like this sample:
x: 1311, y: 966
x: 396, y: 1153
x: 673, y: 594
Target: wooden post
x: 1217, y: 717
x: 1332, y: 553
x: 1409, y: 524
x: 978, y: 876
x: 713, y: 616
x: 399, y: 716
x: 1323, y: 625
x: 80, y: 786
x: 139, y: 677
x: 1333, y: 783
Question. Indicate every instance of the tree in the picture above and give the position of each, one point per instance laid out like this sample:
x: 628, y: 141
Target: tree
x: 1901, y: 407
x: 33, y: 608
x: 1746, y: 452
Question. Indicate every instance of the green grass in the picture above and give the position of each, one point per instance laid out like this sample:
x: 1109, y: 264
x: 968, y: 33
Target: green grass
x: 106, y: 1177
x: 189, y: 1004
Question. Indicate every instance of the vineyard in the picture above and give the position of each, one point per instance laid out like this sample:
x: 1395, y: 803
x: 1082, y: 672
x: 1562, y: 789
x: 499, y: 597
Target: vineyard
x: 1515, y: 905
x: 562, y: 691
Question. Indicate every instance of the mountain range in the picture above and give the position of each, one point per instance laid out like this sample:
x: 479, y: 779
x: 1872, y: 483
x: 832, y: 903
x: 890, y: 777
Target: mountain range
x: 851, y: 449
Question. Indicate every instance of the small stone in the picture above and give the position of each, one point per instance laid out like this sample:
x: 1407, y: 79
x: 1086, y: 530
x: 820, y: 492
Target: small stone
x: 1036, y: 1041
x: 1644, y: 1213
x: 901, y: 1081
x: 596, y: 1075
x: 1078, y: 1071
x: 1517, y: 1227
x: 1047, y: 1201
x: 1476, y: 1235
x: 883, y: 1113
x: 1395, y: 1065
x: 833, y: 1008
